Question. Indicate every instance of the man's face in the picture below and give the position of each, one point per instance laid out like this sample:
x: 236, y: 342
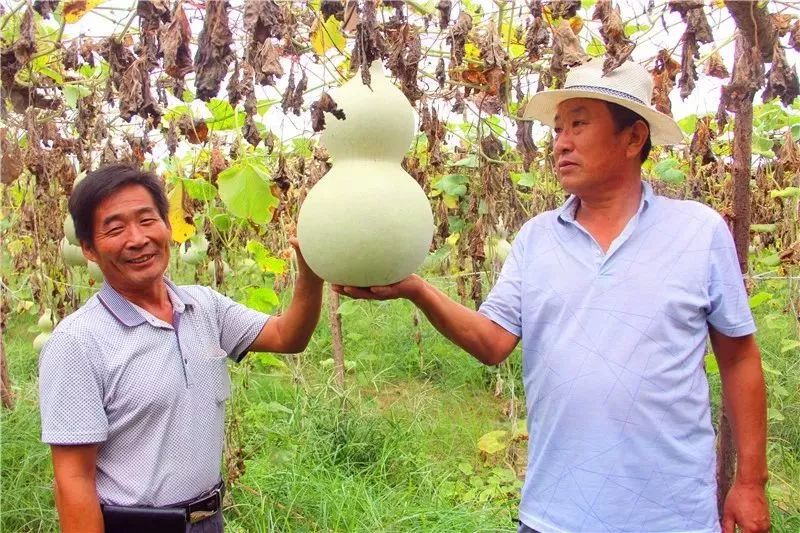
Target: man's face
x: 587, y: 150
x: 131, y: 241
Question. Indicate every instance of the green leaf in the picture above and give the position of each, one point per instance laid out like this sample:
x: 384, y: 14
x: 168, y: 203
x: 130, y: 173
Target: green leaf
x: 199, y: 189
x: 631, y: 29
x: 177, y: 112
x: 712, y: 368
x: 275, y: 407
x: 326, y: 36
x: 268, y: 359
x: 688, y: 124
x: 262, y: 106
x: 222, y: 221
x: 788, y: 192
x: 493, y: 442
x: 301, y: 146
x: 788, y: 345
x: 262, y: 299
x: 453, y: 184
x: 73, y: 93
x: 771, y: 260
x: 763, y: 228
x: 596, y: 48
x: 224, y: 116
x: 588, y: 4
x: 759, y: 299
x: 523, y: 179
x: 264, y: 259
x: 465, y: 469
x: 762, y: 146
x: 471, y: 161
x: 347, y: 307
x: 775, y: 414
x: 667, y: 171
x: 245, y: 189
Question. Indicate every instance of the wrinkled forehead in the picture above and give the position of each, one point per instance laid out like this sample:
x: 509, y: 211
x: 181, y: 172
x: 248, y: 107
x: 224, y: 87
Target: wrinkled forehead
x: 578, y: 106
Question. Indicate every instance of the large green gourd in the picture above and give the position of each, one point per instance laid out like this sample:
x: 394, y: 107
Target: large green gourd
x: 367, y: 222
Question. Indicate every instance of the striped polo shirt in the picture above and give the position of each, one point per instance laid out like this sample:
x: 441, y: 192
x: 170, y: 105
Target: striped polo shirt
x: 620, y: 434
x: 152, y: 395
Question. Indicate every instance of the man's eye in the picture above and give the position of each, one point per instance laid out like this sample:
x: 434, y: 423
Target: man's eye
x: 578, y: 123
x: 115, y: 230
x: 148, y: 220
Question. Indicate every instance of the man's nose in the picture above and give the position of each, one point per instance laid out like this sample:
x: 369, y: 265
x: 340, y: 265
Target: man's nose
x: 136, y: 236
x: 562, y: 143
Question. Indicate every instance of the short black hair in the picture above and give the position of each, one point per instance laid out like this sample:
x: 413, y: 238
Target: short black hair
x: 624, y: 117
x: 104, y: 182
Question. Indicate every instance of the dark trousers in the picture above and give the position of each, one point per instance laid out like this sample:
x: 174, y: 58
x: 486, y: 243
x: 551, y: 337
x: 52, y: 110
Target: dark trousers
x: 209, y: 525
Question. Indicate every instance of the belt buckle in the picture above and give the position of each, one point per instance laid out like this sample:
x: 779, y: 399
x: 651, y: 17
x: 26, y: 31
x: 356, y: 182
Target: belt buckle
x: 199, y: 516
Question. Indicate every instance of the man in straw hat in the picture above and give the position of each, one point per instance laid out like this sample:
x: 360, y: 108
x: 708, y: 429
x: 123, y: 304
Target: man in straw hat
x: 614, y: 295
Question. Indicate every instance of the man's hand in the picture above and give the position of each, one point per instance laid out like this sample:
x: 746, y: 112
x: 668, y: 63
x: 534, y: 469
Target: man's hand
x: 405, y: 288
x: 746, y: 506
x: 303, y: 270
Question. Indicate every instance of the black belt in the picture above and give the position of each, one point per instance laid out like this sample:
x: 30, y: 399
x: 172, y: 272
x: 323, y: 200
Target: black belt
x: 171, y: 519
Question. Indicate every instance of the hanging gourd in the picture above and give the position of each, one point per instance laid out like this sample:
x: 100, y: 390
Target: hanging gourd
x: 366, y: 222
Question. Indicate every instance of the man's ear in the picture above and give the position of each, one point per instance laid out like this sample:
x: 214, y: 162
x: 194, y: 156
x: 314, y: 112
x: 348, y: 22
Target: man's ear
x: 638, y: 137
x: 88, y: 252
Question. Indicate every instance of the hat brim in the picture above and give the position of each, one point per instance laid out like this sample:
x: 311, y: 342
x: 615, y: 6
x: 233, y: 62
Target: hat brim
x: 543, y: 105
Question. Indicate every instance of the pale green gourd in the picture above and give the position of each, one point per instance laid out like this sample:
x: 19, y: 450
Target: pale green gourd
x: 40, y: 340
x: 95, y: 273
x: 69, y: 230
x: 367, y: 222
x: 72, y: 255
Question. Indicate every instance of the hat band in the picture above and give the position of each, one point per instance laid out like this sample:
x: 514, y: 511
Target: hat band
x: 611, y: 92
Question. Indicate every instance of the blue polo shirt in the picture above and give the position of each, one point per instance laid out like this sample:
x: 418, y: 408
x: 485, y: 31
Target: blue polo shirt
x: 613, y: 349
x: 150, y: 394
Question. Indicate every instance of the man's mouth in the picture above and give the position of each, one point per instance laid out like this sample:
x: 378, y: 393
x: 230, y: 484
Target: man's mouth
x: 564, y: 164
x: 141, y: 259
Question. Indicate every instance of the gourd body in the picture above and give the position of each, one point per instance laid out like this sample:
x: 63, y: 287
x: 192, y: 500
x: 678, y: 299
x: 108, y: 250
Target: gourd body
x: 367, y: 222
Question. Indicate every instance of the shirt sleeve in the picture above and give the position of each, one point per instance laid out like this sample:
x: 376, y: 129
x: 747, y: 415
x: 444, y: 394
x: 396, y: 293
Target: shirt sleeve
x: 70, y: 393
x: 504, y: 303
x: 238, y: 325
x: 728, y: 305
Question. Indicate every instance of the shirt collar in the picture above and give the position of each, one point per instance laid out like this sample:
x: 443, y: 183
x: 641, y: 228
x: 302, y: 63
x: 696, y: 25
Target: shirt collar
x: 127, y: 313
x: 567, y: 210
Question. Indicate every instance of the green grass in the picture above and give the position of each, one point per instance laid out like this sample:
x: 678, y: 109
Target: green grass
x: 397, y: 451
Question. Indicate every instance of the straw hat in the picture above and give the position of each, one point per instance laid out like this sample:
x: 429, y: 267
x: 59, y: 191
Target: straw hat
x: 629, y: 85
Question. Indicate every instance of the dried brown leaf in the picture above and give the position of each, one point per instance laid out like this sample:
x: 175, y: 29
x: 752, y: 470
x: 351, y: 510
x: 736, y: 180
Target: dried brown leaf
x: 441, y: 75
x: 195, y: 131
x: 25, y: 45
x: 11, y: 164
x: 457, y: 39
x: 536, y: 38
x: 318, y: 109
x: 266, y: 64
x: 45, y: 7
x: 263, y: 19
x: 135, y: 94
x: 293, y: 96
x: 794, y: 36
x: 370, y: 44
x: 214, y: 53
x: 716, y: 67
x: 435, y: 132
x: 567, y: 52
x: 525, y: 145
x: 689, y: 53
x: 405, y: 53
x: 701, y: 141
x: 694, y: 17
x: 491, y: 50
x: 444, y: 7
x: 664, y: 73
x: 746, y: 78
x: 351, y: 17
x: 782, y: 78
x: 612, y: 30
x: 565, y: 9
x: 175, y: 39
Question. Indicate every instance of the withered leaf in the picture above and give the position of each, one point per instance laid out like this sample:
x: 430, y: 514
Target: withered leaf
x: 782, y: 23
x: 536, y: 37
x: 701, y: 141
x: 250, y: 131
x: 567, y: 52
x: 491, y: 50
x: 565, y: 9
x: 263, y: 19
x: 435, y: 131
x: 491, y: 146
x: 25, y: 46
x: 457, y: 39
x: 370, y: 44
x: 214, y: 53
x: 612, y: 30
x: 195, y: 131
x: 45, y: 7
x: 175, y: 39
x: 266, y: 64
x: 405, y: 53
x: 70, y: 57
x: 716, y: 67
x: 217, y: 163
x: 444, y: 7
x: 332, y: 8
x: 794, y: 36
x: 525, y: 145
x: 441, y: 76
x: 351, y: 17
x: 746, y: 78
x: 135, y: 94
x: 11, y: 164
x: 664, y: 73
x: 695, y: 18
x: 536, y: 8
x: 293, y: 96
x: 325, y: 103
x: 151, y: 14
x: 689, y: 53
x: 782, y: 78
